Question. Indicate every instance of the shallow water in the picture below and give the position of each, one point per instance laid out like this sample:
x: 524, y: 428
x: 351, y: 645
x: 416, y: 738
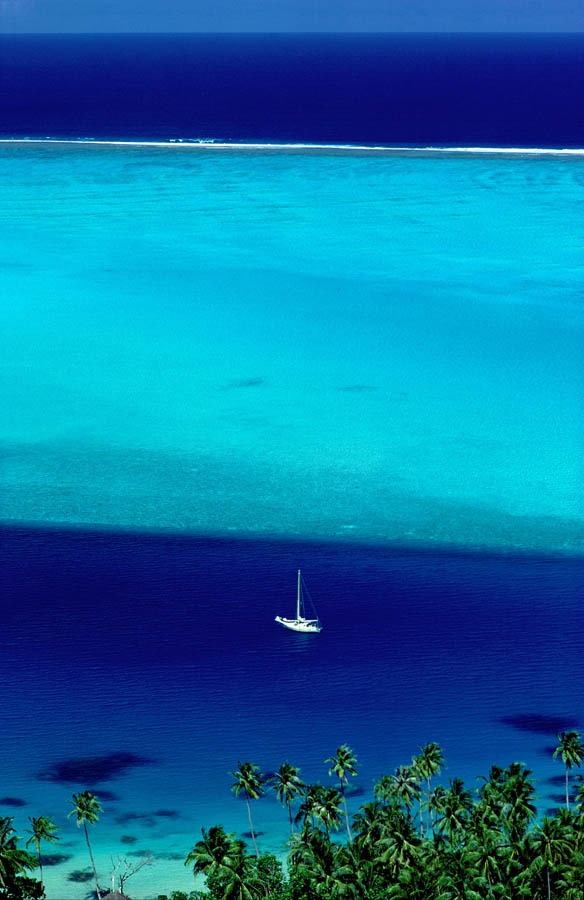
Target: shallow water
x: 294, y: 344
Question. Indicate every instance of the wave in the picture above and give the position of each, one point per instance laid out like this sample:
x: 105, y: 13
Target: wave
x: 210, y: 144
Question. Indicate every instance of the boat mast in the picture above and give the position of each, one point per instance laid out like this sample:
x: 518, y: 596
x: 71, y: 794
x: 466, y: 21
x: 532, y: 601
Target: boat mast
x: 298, y: 598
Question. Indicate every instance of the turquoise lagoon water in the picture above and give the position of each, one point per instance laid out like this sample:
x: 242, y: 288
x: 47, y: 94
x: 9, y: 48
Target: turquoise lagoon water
x: 303, y: 344
x: 343, y: 361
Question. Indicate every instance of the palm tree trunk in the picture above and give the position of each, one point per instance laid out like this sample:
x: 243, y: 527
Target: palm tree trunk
x: 346, y: 812
x: 291, y: 824
x: 251, y: 825
x: 428, y: 813
x: 567, y: 791
x: 97, y: 890
x: 40, y: 864
x: 548, y: 882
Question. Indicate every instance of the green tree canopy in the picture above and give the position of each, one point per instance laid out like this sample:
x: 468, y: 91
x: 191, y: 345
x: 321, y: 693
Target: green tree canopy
x: 248, y: 779
x: 43, y: 829
x: 571, y: 750
x: 343, y: 764
x: 13, y: 861
x: 86, y: 810
x: 288, y: 786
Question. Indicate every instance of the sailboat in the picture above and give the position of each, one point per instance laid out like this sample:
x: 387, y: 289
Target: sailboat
x: 301, y: 623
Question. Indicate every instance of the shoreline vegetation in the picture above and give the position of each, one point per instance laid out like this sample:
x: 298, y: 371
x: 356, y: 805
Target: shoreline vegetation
x: 419, y: 839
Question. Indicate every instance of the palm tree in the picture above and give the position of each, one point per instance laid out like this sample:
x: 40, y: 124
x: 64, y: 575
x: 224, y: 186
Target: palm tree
x: 580, y: 796
x: 343, y: 764
x: 551, y: 846
x: 491, y: 796
x: 327, y: 865
x: 211, y: 856
x: 330, y: 812
x: 248, y: 779
x: 485, y: 858
x: 400, y: 847
x: 43, y: 829
x: 241, y: 881
x: 417, y: 881
x: 405, y: 786
x: 436, y: 800
x: 580, y: 815
x: 288, y: 785
x: 86, y: 808
x: 364, y: 878
x: 370, y: 823
x: 455, y: 875
x: 13, y: 861
x: 418, y: 770
x: 383, y: 789
x: 311, y: 806
x: 518, y: 794
x: 428, y: 764
x: 571, y: 750
x: 454, y: 807
x: 299, y: 845
x: 230, y: 871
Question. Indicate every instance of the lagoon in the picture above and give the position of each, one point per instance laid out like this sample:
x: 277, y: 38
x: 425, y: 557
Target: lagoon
x: 221, y: 367
x: 299, y: 344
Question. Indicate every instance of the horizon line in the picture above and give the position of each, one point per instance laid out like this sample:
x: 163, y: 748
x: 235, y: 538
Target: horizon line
x: 379, y: 32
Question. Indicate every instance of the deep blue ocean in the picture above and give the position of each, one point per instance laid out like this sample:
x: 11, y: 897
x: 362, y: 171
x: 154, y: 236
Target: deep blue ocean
x: 157, y: 657
x: 222, y: 365
x: 499, y: 90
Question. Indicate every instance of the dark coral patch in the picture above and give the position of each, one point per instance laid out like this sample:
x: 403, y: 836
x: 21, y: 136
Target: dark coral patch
x: 556, y: 780
x: 538, y: 724
x: 102, y: 794
x: 561, y: 798
x: 80, y: 876
x: 247, y: 834
x: 93, y: 769
x: 128, y: 839
x: 354, y: 790
x: 246, y: 382
x: 55, y: 859
x: 560, y: 780
x: 144, y: 819
x: 12, y: 801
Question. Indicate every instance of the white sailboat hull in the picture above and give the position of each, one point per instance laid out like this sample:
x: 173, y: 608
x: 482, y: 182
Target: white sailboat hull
x: 301, y: 623
x: 308, y: 626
